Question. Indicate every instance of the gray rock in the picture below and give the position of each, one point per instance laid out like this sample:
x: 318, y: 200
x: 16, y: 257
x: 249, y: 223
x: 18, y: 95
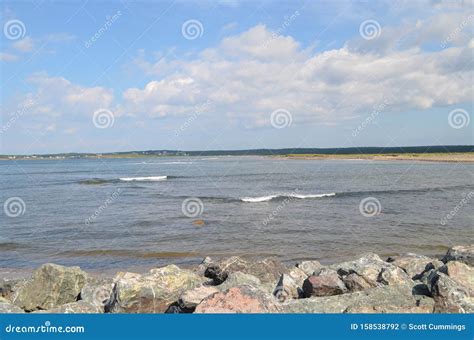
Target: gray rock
x: 297, y: 275
x: 414, y: 265
x: 7, y: 307
x: 51, y: 285
x: 449, y: 295
x: 286, y: 288
x: 354, y: 282
x: 460, y: 273
x: 239, y: 279
x: 97, y: 291
x: 309, y: 267
x: 78, y: 307
x: 193, y: 297
x: 393, y: 276
x: 463, y: 254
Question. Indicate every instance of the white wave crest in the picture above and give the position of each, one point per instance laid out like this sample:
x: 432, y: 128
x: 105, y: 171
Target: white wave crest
x: 144, y: 179
x: 271, y: 197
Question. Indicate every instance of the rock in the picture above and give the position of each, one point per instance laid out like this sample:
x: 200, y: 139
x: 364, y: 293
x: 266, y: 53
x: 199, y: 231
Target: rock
x: 286, y: 288
x: 152, y: 292
x: 78, y: 307
x: 414, y: 265
x: 267, y: 270
x: 7, y: 307
x: 51, y: 285
x: 326, y: 283
x: 393, y: 276
x: 463, y: 254
x: 309, y: 267
x: 7, y: 286
x: 97, y: 291
x: 239, y: 279
x: 193, y: 297
x: 354, y: 282
x: 460, y: 273
x: 243, y: 299
x: 297, y: 275
x: 450, y: 296
x: 383, y: 299
x: 389, y: 309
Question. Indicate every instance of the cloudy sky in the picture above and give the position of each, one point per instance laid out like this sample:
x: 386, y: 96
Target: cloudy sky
x: 96, y: 76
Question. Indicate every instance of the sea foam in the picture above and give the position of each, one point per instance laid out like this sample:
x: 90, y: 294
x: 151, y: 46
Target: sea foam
x: 272, y: 197
x: 144, y: 179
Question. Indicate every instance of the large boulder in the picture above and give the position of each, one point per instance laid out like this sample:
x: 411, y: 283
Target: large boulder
x: 414, y: 265
x: 354, y: 282
x: 97, y: 291
x: 286, y: 288
x: 267, y: 270
x: 298, y: 275
x: 235, y: 279
x: 193, y: 297
x: 78, y: 307
x: 242, y: 299
x: 463, y: 254
x: 449, y: 295
x: 460, y: 273
x: 51, y: 285
x: 383, y: 299
x: 309, y: 267
x: 152, y: 292
x: 327, y: 282
x: 7, y: 307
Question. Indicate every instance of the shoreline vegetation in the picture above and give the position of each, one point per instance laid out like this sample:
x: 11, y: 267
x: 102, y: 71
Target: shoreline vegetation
x: 405, y: 283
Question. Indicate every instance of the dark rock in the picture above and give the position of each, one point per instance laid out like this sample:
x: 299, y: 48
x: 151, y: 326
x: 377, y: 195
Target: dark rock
x: 463, y: 254
x: 325, y: 284
x: 215, y: 273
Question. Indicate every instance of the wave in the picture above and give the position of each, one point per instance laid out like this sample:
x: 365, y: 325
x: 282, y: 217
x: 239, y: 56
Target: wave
x: 259, y: 199
x: 144, y: 179
x: 161, y: 163
x: 94, y: 181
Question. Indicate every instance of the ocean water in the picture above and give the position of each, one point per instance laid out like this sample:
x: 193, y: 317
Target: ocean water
x: 139, y: 213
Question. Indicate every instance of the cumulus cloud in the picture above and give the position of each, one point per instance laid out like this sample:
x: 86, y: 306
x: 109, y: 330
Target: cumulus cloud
x: 248, y: 76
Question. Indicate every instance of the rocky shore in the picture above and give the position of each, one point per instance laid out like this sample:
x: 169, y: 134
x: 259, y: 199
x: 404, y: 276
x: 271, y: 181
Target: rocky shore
x: 407, y: 283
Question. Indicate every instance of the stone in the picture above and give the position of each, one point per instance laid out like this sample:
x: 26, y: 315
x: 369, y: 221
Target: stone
x: 193, y: 297
x: 242, y: 299
x: 393, y: 276
x: 286, y: 288
x: 7, y: 307
x: 450, y: 296
x: 414, y: 265
x: 267, y: 270
x: 239, y: 279
x: 7, y: 286
x: 460, y: 273
x: 51, y: 286
x: 297, y: 275
x: 97, y: 291
x: 383, y: 299
x: 153, y: 292
x: 463, y: 254
x: 326, y: 283
x: 309, y: 267
x: 78, y: 307
x: 354, y: 282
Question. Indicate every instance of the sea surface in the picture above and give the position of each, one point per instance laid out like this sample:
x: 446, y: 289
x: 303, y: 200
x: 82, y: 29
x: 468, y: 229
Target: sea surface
x: 105, y: 214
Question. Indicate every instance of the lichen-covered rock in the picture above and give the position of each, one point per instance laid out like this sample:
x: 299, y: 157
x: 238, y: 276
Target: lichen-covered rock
x: 51, y: 285
x: 449, y: 295
x: 152, y: 292
x: 286, y: 288
x: 267, y: 270
x: 384, y: 299
x: 309, y: 267
x: 97, y: 291
x: 7, y: 307
x: 78, y: 307
x: 463, y: 254
x: 326, y: 283
x: 235, y: 279
x: 393, y: 276
x: 193, y: 297
x: 414, y: 265
x: 243, y: 299
x: 354, y: 282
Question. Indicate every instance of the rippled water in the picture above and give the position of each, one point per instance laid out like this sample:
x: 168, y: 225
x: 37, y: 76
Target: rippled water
x: 111, y: 214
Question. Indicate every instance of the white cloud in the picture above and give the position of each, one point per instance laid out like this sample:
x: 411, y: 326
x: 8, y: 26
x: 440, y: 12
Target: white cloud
x: 24, y: 45
x: 7, y: 57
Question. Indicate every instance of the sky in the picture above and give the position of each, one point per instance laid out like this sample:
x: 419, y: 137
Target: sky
x: 105, y: 76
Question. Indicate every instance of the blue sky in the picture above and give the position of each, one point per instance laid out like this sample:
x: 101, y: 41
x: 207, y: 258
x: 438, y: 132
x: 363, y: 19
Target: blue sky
x: 97, y: 76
